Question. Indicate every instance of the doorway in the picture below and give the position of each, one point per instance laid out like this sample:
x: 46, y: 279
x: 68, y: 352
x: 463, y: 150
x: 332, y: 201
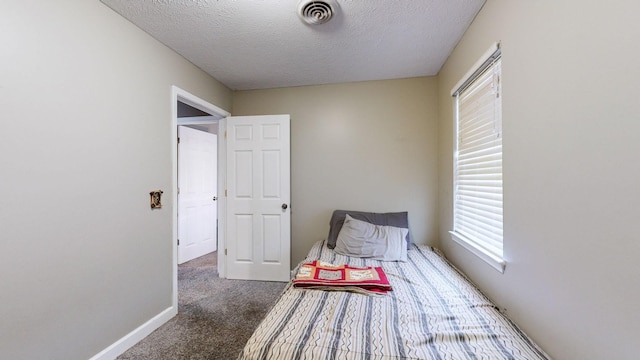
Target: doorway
x: 193, y: 113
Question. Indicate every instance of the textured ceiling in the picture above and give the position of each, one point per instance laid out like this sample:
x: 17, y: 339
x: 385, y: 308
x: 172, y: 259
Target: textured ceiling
x: 256, y: 44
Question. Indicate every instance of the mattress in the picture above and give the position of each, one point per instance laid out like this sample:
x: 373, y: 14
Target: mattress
x: 433, y: 312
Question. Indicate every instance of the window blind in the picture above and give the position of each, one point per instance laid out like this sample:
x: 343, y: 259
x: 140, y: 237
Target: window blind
x: 478, y: 159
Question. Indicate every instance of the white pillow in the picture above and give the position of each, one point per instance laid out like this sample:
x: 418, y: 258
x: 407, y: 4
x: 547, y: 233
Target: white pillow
x: 362, y: 239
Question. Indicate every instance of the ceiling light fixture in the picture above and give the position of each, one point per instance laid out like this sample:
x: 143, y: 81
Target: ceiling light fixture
x: 316, y: 12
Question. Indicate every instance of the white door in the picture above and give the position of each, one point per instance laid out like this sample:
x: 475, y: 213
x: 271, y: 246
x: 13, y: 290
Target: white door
x: 197, y: 191
x: 258, y: 195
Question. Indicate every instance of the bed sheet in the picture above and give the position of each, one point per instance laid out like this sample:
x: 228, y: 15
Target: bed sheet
x: 433, y: 312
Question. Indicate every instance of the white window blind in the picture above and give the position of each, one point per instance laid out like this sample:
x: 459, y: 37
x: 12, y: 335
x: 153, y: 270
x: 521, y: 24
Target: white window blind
x: 478, y: 161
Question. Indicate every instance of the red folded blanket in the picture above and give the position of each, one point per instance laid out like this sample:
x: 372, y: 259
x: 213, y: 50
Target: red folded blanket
x: 319, y: 275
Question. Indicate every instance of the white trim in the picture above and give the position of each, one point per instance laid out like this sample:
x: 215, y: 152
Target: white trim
x: 132, y: 338
x: 494, y: 47
x: 198, y: 120
x: 491, y: 259
x: 222, y: 197
x: 178, y: 94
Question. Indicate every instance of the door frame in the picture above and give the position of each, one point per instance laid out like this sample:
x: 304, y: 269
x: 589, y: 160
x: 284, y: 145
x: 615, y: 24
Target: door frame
x: 178, y: 94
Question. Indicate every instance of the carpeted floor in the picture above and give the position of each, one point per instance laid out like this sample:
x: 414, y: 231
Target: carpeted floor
x: 215, y: 316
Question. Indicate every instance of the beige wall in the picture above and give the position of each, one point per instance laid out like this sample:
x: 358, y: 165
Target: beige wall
x: 571, y: 174
x: 359, y: 146
x: 85, y: 105
x: 85, y: 118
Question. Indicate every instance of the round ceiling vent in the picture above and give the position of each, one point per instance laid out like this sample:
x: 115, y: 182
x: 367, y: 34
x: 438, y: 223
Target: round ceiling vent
x: 316, y: 12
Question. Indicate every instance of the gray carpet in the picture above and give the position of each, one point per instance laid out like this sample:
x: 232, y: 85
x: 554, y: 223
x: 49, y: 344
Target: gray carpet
x: 215, y: 316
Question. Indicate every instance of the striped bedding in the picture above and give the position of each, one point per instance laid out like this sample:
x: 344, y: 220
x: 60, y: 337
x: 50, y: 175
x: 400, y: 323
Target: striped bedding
x: 433, y: 312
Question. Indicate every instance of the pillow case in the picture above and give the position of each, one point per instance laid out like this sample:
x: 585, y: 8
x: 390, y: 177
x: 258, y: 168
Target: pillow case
x: 396, y: 219
x: 362, y: 239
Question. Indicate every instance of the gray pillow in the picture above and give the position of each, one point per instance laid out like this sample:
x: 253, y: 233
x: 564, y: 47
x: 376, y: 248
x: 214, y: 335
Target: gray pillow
x: 397, y: 219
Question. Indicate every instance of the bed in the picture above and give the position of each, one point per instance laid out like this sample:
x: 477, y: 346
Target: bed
x: 433, y: 312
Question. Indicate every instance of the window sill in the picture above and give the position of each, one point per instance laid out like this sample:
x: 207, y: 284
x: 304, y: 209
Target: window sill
x: 495, y: 262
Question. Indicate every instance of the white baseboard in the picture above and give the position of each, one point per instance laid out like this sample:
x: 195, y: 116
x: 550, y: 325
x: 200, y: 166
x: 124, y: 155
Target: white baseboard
x: 132, y: 338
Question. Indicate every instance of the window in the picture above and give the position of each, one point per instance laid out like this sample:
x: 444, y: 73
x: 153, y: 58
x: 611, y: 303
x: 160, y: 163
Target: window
x: 477, y: 204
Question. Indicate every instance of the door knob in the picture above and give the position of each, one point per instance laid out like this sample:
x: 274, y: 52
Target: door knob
x: 284, y: 206
x: 215, y: 198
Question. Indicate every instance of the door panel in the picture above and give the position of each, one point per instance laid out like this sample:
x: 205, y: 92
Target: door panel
x: 244, y: 174
x: 272, y: 233
x: 258, y: 184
